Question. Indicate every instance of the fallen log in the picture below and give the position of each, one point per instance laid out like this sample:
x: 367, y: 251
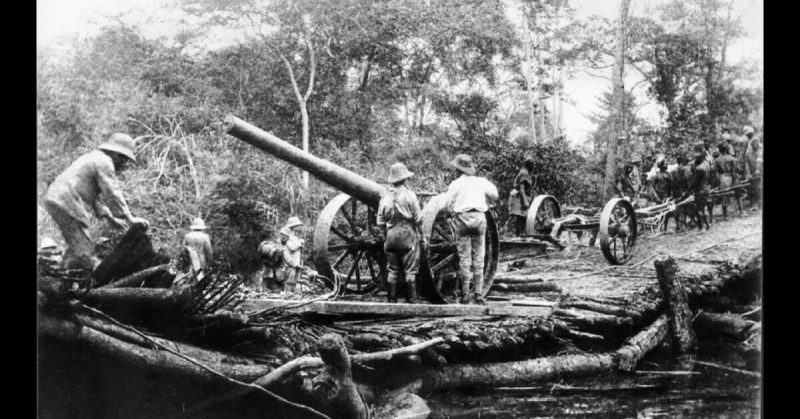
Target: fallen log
x: 728, y: 324
x: 677, y: 305
x: 520, y: 373
x: 136, y: 279
x: 512, y: 278
x: 602, y: 308
x: 729, y: 369
x: 594, y: 322
x: 148, y: 358
x: 142, y: 298
x: 637, y: 346
x: 549, y: 286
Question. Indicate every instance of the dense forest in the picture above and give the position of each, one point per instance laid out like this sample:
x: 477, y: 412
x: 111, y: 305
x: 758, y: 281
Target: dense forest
x: 365, y: 84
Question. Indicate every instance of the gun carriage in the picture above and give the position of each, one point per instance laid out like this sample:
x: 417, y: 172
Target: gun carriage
x: 347, y: 243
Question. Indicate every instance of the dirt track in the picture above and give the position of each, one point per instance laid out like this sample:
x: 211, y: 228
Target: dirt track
x: 582, y: 270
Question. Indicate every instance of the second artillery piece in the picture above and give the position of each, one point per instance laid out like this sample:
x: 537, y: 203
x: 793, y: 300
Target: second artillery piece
x: 347, y: 243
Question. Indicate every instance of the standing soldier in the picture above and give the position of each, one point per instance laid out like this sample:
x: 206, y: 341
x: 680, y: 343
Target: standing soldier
x: 197, y: 245
x: 700, y: 187
x: 400, y: 215
x: 662, y: 182
x: 623, y: 185
x: 520, y: 197
x: 292, y: 254
x: 90, y: 185
x: 468, y: 199
x: 753, y: 166
x: 271, y: 252
x: 726, y: 167
x: 680, y: 184
x: 636, y: 177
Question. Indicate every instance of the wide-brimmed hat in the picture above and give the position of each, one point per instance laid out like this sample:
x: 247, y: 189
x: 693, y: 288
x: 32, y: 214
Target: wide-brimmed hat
x: 398, y: 172
x: 463, y: 162
x: 285, y: 232
x: 122, y: 144
x: 293, y: 222
x: 749, y: 130
x: 198, y: 224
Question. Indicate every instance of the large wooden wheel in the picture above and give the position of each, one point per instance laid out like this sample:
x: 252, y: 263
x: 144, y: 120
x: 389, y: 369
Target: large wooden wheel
x: 438, y: 273
x: 618, y: 231
x: 347, y: 247
x: 543, y: 211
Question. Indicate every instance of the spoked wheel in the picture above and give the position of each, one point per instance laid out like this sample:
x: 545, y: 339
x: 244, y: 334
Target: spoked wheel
x: 618, y: 231
x: 544, y: 209
x: 347, y: 247
x: 439, y: 262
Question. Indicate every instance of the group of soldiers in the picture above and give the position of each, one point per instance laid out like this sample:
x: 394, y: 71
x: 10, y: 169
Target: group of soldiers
x: 735, y: 161
x: 467, y: 199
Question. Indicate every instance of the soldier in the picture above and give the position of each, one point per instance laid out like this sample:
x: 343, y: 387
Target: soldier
x: 700, y: 187
x: 753, y: 166
x: 520, y: 197
x: 680, y: 184
x: 623, y: 186
x: 726, y: 167
x: 292, y: 254
x: 271, y: 252
x: 197, y: 245
x: 400, y: 215
x: 468, y: 199
x: 636, y: 176
x: 662, y: 182
x: 90, y: 185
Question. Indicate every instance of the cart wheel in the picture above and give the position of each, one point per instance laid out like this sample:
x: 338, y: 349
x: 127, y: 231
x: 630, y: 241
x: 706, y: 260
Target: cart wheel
x: 544, y: 209
x: 618, y: 231
x: 346, y: 246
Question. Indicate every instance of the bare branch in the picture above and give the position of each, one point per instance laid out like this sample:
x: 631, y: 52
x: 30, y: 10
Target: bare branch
x: 312, y: 62
x: 292, y: 78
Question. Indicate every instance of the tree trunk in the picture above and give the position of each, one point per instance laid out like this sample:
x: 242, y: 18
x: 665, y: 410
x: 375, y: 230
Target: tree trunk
x: 529, y: 85
x: 304, y: 115
x: 636, y: 347
x: 334, y: 385
x: 677, y: 304
x: 136, y: 279
x: 133, y: 252
x: 547, y: 286
x: 618, y: 95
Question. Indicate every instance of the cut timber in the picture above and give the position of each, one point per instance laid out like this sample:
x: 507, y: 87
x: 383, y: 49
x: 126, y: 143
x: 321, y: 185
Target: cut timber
x: 636, y: 347
x: 511, y: 278
x: 400, y: 309
x: 677, y: 304
x: 149, y: 358
x: 547, y: 286
x: 134, y: 252
x: 136, y: 279
x: 729, y: 324
x: 151, y: 298
x: 334, y: 385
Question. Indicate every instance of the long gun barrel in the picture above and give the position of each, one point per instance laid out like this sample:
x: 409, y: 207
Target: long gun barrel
x: 342, y: 179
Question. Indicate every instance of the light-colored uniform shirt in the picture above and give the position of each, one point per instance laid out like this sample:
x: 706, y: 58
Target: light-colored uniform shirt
x: 470, y: 193
x: 89, y: 184
x: 399, y: 203
x: 199, y: 245
x: 292, y: 251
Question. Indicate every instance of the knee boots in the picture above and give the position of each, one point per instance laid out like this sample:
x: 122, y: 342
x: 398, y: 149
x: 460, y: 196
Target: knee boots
x: 411, y: 288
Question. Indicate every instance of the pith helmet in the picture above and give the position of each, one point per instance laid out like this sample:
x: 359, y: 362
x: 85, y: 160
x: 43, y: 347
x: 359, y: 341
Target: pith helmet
x: 749, y: 130
x: 398, y: 172
x: 463, y: 163
x: 122, y: 144
x: 293, y: 222
x: 198, y: 224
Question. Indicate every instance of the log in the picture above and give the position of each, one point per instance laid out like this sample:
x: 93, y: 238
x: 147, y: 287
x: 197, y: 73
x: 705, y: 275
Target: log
x: 677, y: 305
x: 603, y: 309
x: 637, y: 346
x: 148, y: 358
x: 398, y: 309
x: 729, y: 369
x: 728, y: 324
x: 133, y: 252
x: 136, y: 279
x: 144, y: 298
x: 594, y: 322
x: 334, y: 385
x: 512, y: 278
x: 548, y: 286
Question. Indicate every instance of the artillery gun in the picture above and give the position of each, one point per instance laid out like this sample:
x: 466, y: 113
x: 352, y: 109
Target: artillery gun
x: 347, y: 243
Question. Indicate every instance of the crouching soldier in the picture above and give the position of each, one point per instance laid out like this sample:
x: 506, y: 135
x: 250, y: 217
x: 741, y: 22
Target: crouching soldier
x: 400, y: 214
x: 271, y: 252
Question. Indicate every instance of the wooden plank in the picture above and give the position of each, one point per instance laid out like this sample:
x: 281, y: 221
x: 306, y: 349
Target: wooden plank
x: 402, y: 309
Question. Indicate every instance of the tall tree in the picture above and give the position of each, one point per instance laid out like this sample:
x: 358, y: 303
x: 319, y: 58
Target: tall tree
x: 618, y: 94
